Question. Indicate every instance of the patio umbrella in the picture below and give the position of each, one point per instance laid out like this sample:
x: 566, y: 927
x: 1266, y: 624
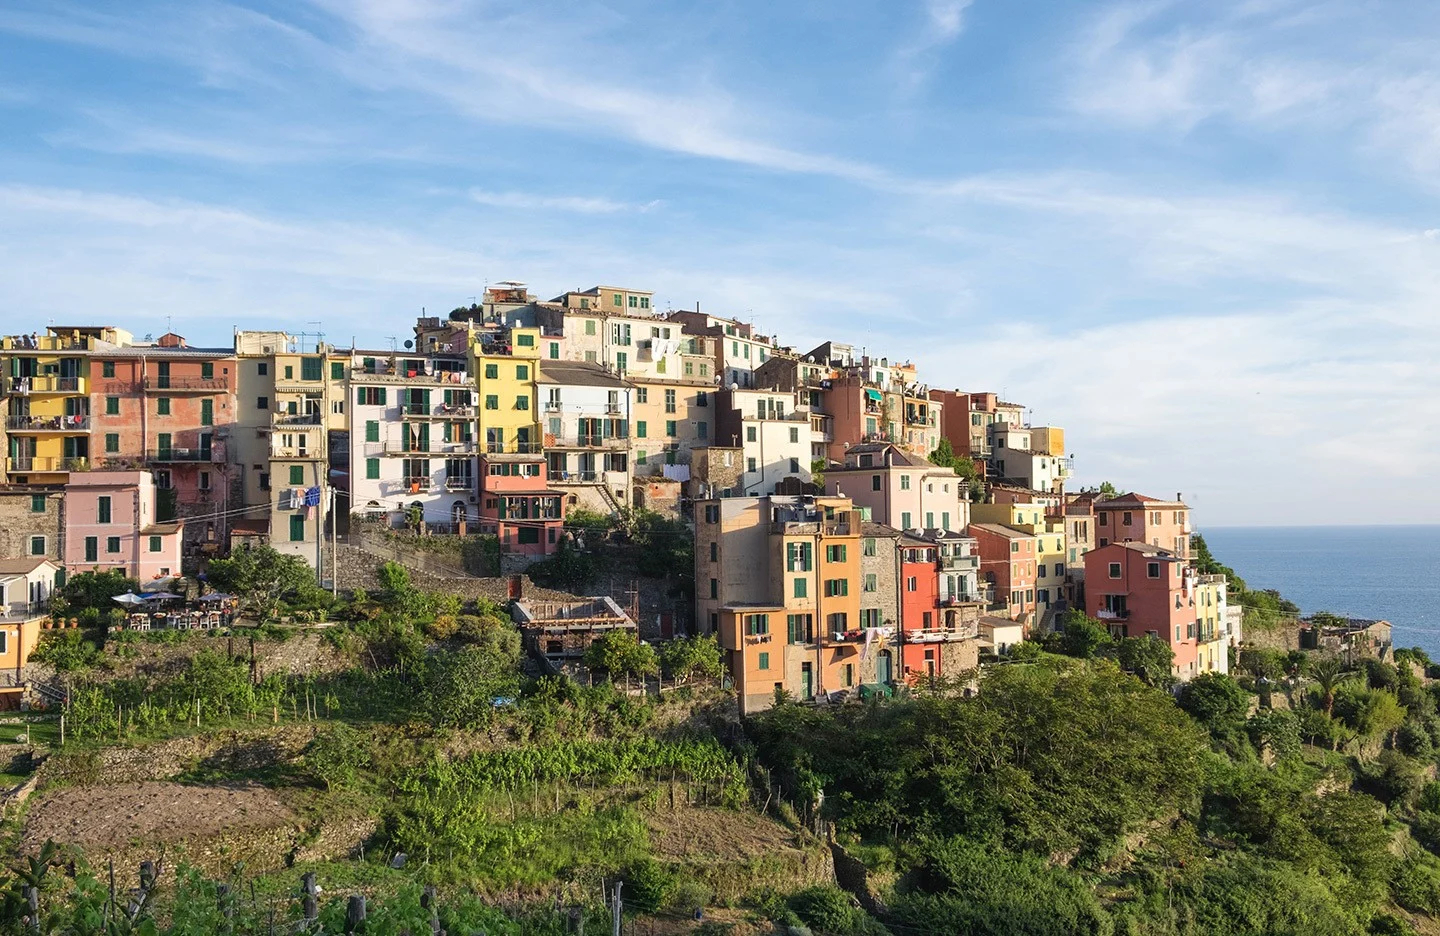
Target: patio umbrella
x: 130, y: 598
x: 216, y: 596
x: 160, y: 596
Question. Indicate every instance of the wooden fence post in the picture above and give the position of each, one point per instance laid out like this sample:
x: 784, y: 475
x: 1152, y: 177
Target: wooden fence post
x: 309, y: 900
x: 355, y: 913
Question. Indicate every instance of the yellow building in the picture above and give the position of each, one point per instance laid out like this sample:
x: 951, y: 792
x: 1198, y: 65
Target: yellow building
x: 1050, y: 557
x: 1211, y: 635
x: 505, y: 366
x: 44, y: 380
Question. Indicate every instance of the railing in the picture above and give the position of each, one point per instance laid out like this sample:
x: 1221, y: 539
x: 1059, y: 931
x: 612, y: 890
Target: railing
x: 455, y: 409
x: 359, y: 374
x: 940, y: 635
x: 956, y: 563
x: 177, y: 454
x: 295, y: 419
x: 294, y: 385
x: 45, y: 383
x: 612, y: 408
x: 44, y: 343
x: 589, y: 441
x: 46, y: 463
x: 211, y: 384
x: 552, y: 406
x: 513, y: 448
x: 810, y: 528
x: 460, y: 484
x: 48, y: 423
x: 295, y: 452
x: 1105, y: 614
x: 577, y: 477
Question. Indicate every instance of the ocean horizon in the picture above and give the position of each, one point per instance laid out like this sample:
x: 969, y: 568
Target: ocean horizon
x: 1384, y: 572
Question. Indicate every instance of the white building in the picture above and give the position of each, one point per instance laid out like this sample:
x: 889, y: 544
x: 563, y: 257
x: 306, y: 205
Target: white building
x: 1012, y: 457
x: 412, y: 439
x: 586, y: 421
x: 772, y: 432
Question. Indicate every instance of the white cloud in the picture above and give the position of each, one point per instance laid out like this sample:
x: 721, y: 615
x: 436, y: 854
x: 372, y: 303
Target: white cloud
x: 525, y: 201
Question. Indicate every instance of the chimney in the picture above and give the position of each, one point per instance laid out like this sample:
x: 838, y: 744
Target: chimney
x: 1178, y: 499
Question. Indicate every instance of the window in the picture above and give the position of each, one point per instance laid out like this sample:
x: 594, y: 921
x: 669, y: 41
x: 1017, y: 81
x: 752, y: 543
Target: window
x: 757, y: 624
x: 112, y: 544
x: 37, y: 503
x: 800, y: 588
x: 874, y: 482
x: 836, y: 587
x: 867, y: 546
x: 750, y: 435
x: 835, y: 553
x: 107, y: 369
x: 702, y: 398
x: 750, y: 465
x: 311, y: 368
x: 372, y: 396
x: 904, y: 482
x: 929, y: 520
x: 337, y: 370
x: 798, y: 557
x: 262, y: 368
x: 641, y: 457
x: 297, y: 474
x: 525, y: 341
x: 905, y: 520
x: 37, y: 545
x: 794, y: 434
x: 702, y: 431
x: 1104, y: 520
x: 112, y: 441
x: 1114, y: 570
x: 492, y: 402
x: 1152, y: 569
x: 870, y: 582
x: 764, y: 663
x: 912, y: 584
x: 372, y: 430
x: 92, y: 548
x: 207, y: 412
x: 869, y: 617
x: 670, y: 428
x: 154, y: 544
x: 297, y: 528
x: 1014, y: 547
x: 372, y: 469
x: 669, y: 401
x: 554, y: 350
x: 112, y: 406
x: 522, y: 402
x: 1125, y: 518
x: 262, y: 402
x: 642, y: 394
x: 618, y: 303
x: 589, y: 323
x: 522, y: 371
x: 102, y: 510
x: 639, y: 428
x: 714, y: 552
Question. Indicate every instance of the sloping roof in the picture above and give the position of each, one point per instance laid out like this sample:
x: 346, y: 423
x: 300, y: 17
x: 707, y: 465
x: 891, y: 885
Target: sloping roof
x: 871, y: 528
x: 22, y: 566
x: 158, y: 529
x: 1000, y: 529
x: 1157, y: 552
x: 1135, y: 500
x: 577, y: 374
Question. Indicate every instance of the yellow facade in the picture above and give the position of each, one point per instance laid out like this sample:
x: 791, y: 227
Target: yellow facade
x: 47, y: 405
x: 505, y: 373
x: 1048, y: 440
x: 1050, y: 556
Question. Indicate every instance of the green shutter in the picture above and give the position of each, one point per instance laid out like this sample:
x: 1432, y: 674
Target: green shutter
x: 297, y: 528
x: 372, y: 469
x: 207, y: 412
x: 297, y: 474
x: 372, y: 430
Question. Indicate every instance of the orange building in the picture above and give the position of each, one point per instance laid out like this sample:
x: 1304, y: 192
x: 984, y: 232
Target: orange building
x: 1135, y: 518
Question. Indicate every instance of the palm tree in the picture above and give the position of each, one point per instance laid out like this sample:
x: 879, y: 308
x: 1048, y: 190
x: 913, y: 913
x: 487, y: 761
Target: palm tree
x: 1328, y: 673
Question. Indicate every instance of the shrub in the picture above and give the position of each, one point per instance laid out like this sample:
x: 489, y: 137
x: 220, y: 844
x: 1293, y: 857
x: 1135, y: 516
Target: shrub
x: 829, y: 909
x: 1415, y: 885
x: 335, y: 755
x: 648, y: 885
x: 1217, y: 701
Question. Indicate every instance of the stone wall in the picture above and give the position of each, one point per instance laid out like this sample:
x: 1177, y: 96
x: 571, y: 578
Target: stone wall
x: 18, y: 522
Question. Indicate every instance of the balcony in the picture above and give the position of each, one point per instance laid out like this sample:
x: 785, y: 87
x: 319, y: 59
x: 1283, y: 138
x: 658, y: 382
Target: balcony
x: 186, y: 384
x: 617, y: 443
x: 612, y: 408
x: 176, y: 454
x: 295, y: 453
x: 47, y: 423
x: 1105, y: 614
x: 967, y: 632
x: 513, y: 448
x: 960, y: 563
x: 460, y: 484
x: 810, y: 528
x: 43, y: 343
x: 388, y: 374
x: 304, y: 387
x: 48, y: 383
x: 46, y: 463
x: 455, y: 409
x: 295, y: 419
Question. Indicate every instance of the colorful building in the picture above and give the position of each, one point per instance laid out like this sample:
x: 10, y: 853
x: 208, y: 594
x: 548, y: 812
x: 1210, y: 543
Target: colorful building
x: 899, y: 488
x: 1008, y: 568
x: 170, y: 408
x: 1212, y: 624
x: 1051, y: 559
x: 32, y: 522
x: 1139, y: 589
x: 586, y: 412
x: 110, y: 524
x: 25, y: 589
x: 1135, y: 518
x: 776, y: 580
x: 773, y: 433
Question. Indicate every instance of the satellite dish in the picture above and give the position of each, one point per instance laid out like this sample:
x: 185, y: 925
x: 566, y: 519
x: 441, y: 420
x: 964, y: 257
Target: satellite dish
x: 409, y: 344
x: 734, y: 386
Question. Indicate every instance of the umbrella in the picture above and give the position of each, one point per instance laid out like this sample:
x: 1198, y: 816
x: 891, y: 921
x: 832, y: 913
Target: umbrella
x: 160, y: 596
x: 216, y: 596
x: 129, y: 598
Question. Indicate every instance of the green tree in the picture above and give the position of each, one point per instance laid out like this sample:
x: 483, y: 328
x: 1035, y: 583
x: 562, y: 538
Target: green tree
x: 1082, y: 636
x: 620, y: 653
x: 1328, y: 673
x: 1108, y: 489
x: 1217, y: 701
x: 260, y: 577
x: 336, y: 755
x: 96, y: 589
x: 1372, y: 713
x: 463, y: 685
x: 817, y: 471
x: 691, y: 656
x: 1148, y: 657
x: 944, y: 455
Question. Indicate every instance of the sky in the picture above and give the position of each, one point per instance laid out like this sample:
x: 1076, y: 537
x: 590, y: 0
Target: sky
x: 1204, y: 238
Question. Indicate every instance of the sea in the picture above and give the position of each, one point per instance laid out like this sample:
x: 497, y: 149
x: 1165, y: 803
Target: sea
x: 1388, y: 573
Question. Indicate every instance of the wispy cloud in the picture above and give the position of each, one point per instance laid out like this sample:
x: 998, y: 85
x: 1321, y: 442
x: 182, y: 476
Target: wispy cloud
x: 943, y: 22
x: 526, y: 201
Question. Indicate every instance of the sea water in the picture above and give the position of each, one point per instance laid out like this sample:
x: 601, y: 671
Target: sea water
x: 1390, y: 573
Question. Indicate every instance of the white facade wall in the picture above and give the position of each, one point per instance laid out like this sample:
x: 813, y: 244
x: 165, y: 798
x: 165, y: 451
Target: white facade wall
x: 780, y: 449
x: 443, y: 495
x: 563, y: 407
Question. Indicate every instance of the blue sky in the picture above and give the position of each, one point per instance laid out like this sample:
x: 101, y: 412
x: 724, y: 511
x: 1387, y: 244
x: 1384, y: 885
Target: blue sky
x: 1202, y: 237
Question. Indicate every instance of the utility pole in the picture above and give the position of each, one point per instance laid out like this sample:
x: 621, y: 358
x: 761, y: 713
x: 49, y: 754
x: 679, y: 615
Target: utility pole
x: 334, y: 549
x: 616, y: 907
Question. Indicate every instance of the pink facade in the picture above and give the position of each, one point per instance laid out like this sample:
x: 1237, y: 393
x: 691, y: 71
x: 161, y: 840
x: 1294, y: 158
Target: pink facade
x: 1008, y: 560
x: 517, y: 505
x: 110, y: 524
x: 1137, y: 589
x: 1135, y: 518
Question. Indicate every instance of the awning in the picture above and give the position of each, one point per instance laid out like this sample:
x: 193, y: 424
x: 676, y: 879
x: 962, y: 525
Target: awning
x: 873, y: 394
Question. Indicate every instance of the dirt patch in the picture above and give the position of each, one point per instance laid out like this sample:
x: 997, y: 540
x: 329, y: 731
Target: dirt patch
x: 102, y: 819
x: 722, y: 835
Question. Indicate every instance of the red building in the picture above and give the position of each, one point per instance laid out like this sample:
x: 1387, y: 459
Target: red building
x: 919, y: 605
x: 169, y: 408
x: 517, y: 505
x: 1140, y: 589
x: 1008, y: 560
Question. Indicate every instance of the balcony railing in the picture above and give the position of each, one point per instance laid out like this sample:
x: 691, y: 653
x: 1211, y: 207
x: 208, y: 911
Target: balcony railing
x: 959, y: 563
x: 514, y: 448
x: 460, y: 484
x: 588, y: 441
x: 940, y: 635
x: 360, y: 374
x: 295, y: 419
x: 293, y: 385
x: 177, y: 454
x: 200, y: 384
x: 1105, y: 614
x: 46, y: 463
x: 46, y: 383
x: 455, y: 409
x: 296, y: 453
x: 48, y: 423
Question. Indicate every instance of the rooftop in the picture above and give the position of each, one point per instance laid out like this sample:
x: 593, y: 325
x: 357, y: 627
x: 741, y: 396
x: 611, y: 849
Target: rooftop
x: 22, y: 566
x: 1001, y: 530
x: 577, y: 374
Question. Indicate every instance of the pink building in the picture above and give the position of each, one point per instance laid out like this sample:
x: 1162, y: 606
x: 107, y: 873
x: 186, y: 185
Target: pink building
x: 110, y: 524
x: 1140, y: 519
x: 1140, y: 589
x: 1008, y: 560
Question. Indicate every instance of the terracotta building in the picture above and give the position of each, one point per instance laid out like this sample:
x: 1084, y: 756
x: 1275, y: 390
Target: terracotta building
x: 1139, y: 589
x: 1135, y: 518
x: 1008, y: 566
x: 110, y: 524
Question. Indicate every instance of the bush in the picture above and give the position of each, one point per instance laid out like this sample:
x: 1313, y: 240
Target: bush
x: 648, y: 885
x: 829, y: 909
x: 336, y: 754
x: 1216, y: 701
x: 67, y: 651
x: 688, y: 893
x: 1415, y: 885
